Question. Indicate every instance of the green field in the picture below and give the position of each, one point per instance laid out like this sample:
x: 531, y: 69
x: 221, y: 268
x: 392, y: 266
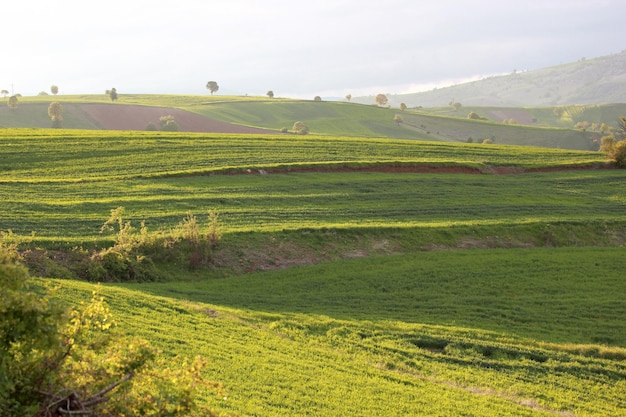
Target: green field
x: 472, y: 333
x: 348, y: 119
x: 355, y: 276
x: 62, y: 186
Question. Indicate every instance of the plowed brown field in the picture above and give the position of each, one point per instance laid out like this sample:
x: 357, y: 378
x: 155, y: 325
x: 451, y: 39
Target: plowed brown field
x: 132, y: 117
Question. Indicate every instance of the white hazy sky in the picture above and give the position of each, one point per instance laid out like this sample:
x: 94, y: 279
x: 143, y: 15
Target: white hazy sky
x: 295, y: 48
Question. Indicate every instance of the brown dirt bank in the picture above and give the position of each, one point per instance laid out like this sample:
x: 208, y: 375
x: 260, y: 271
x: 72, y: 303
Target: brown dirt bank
x: 424, y: 169
x: 134, y: 117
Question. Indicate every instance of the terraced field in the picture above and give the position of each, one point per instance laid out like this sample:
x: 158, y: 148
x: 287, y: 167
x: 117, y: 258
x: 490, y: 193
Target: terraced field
x: 355, y: 276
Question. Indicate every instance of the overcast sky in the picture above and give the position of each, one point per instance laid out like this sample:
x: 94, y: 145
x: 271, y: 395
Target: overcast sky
x: 295, y: 48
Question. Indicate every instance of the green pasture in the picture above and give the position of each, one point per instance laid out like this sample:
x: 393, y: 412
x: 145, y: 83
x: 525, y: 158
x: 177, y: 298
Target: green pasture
x: 461, y: 129
x: 565, y: 117
x: 455, y: 333
x: 345, y: 283
x: 76, y: 210
x: 45, y: 155
x: 344, y: 118
x: 554, y: 295
x: 63, y: 187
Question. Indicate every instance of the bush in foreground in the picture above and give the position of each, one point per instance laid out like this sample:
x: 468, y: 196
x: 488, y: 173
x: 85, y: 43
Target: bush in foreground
x: 58, y: 361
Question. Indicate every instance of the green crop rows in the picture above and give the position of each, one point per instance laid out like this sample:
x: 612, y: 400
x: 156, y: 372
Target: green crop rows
x: 535, y: 331
x: 350, y: 339
x: 64, y: 186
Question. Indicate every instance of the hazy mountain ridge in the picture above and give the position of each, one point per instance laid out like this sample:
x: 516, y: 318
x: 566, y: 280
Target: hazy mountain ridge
x: 588, y: 81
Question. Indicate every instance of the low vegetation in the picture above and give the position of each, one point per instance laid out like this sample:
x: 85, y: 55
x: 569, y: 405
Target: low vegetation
x: 57, y: 360
x: 556, y: 127
x: 343, y: 275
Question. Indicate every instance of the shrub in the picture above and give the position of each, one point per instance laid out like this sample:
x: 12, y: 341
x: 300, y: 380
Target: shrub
x: 73, y: 361
x: 168, y: 124
x: 619, y: 153
x: 132, y: 254
x: 300, y: 128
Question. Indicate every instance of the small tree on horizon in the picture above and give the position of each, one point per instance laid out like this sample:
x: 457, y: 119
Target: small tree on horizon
x: 4, y: 93
x: 13, y: 102
x: 348, y: 97
x: 270, y: 94
x: 55, y: 112
x: 112, y: 93
x: 54, y: 89
x: 381, y: 99
x: 402, y: 106
x: 212, y: 87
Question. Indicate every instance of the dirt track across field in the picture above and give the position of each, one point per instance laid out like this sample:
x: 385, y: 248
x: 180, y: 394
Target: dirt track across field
x: 133, y: 117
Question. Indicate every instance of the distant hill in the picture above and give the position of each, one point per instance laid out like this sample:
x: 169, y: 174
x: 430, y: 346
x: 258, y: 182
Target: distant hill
x: 539, y: 126
x: 588, y: 81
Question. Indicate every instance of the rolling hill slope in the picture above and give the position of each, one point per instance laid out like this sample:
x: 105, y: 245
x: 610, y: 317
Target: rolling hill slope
x: 257, y: 115
x: 588, y: 81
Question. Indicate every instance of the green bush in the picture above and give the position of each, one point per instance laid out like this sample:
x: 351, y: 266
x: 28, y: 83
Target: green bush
x: 619, y: 153
x: 64, y: 361
x: 130, y: 259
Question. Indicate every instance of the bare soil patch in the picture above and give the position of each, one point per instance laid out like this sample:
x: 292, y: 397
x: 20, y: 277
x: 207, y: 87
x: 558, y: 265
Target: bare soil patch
x: 133, y: 117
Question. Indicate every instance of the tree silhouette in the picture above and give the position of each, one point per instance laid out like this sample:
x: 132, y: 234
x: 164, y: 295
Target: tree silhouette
x: 55, y: 111
x: 13, y: 102
x: 212, y: 87
x: 381, y: 99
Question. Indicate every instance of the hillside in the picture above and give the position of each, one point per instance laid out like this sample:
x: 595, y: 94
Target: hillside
x: 258, y: 115
x: 589, y: 81
x: 353, y: 276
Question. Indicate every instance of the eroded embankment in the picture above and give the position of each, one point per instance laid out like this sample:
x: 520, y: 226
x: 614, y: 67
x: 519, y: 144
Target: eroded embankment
x: 418, y: 168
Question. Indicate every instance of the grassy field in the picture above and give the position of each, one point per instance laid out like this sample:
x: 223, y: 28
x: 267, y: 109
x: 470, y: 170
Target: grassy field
x: 471, y: 333
x: 346, y: 119
x: 564, y: 117
x: 347, y: 281
x: 63, y: 186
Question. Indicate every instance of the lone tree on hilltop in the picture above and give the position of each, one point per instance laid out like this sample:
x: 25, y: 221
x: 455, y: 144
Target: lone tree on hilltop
x: 381, y: 99
x: 317, y: 98
x: 112, y: 93
x: 402, y: 106
x: 212, y: 87
x: 4, y: 93
x: 55, y: 111
x: 54, y: 89
x: 270, y: 94
x: 348, y: 97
